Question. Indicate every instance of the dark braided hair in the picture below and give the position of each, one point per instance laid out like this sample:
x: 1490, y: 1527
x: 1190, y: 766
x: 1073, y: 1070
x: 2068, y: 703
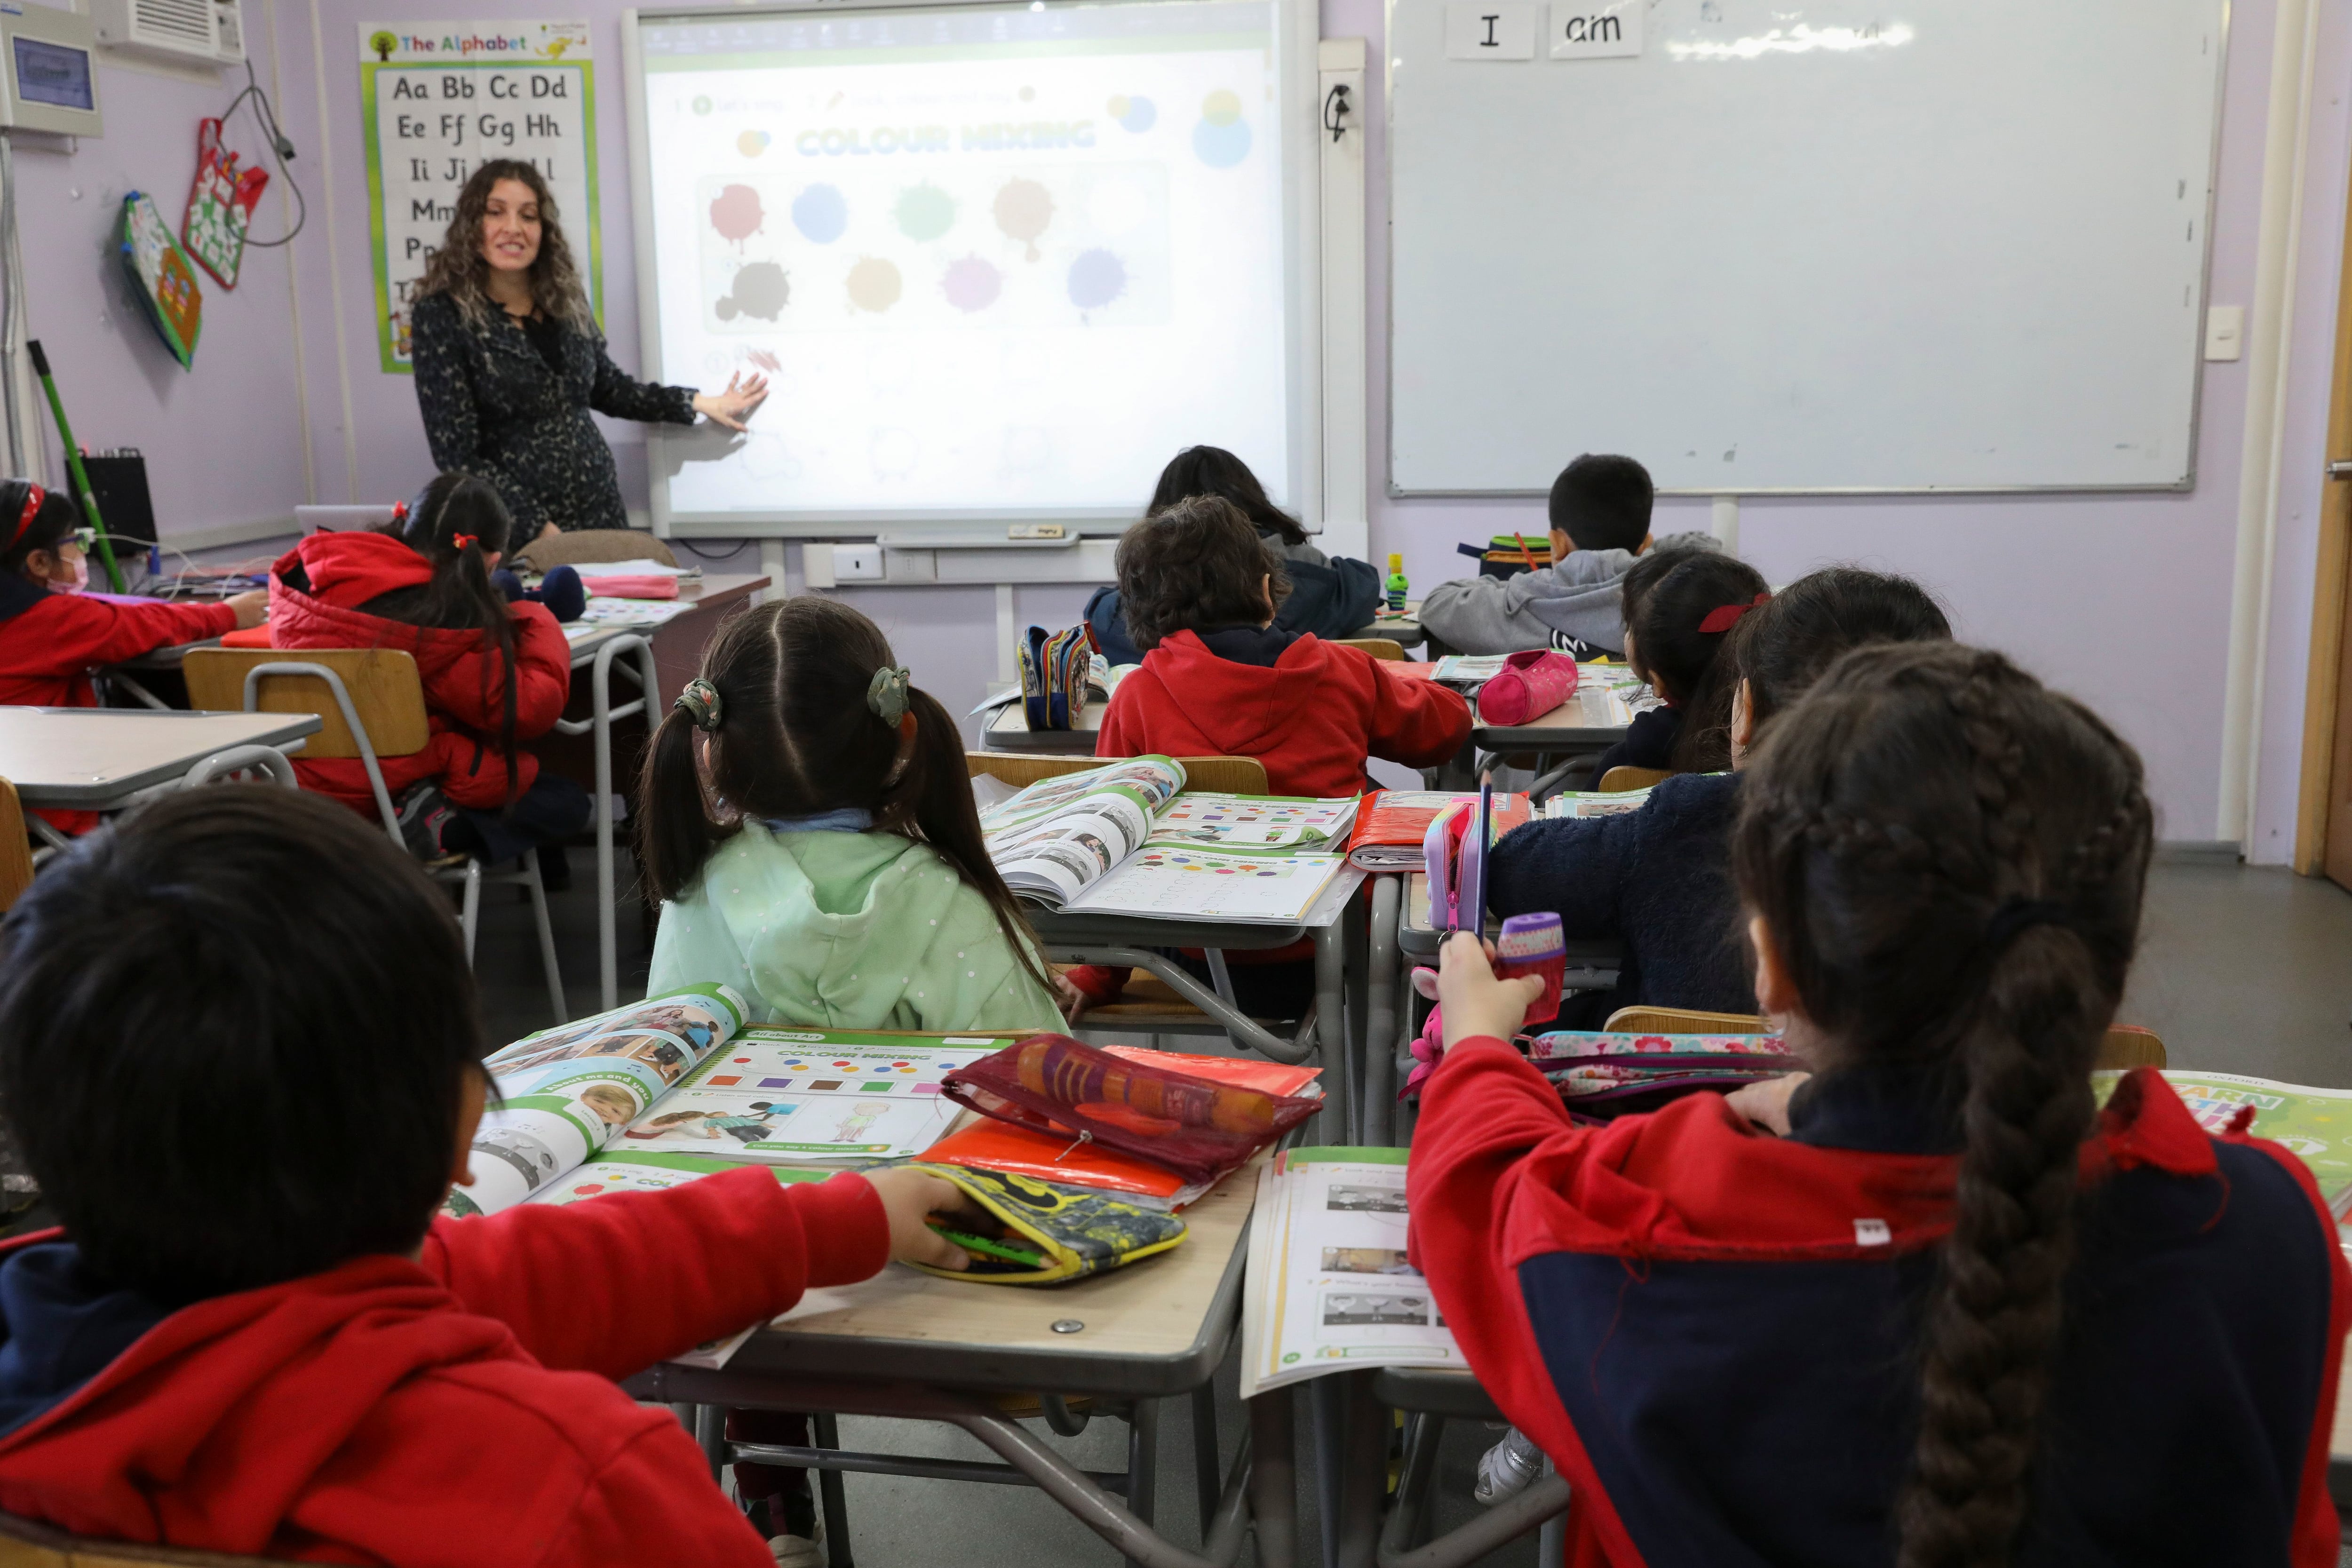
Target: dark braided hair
x: 1949, y: 859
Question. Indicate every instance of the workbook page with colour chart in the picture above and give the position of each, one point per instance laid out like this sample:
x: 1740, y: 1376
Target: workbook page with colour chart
x: 812, y: 1096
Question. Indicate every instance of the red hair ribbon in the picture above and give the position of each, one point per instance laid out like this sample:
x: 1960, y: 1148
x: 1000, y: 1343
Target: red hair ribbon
x: 1723, y: 617
x: 461, y: 540
x: 34, y: 496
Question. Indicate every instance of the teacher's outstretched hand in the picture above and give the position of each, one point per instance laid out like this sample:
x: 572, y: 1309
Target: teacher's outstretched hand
x: 510, y: 361
x: 734, y: 406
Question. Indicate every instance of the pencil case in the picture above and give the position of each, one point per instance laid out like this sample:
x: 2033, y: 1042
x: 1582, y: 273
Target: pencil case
x: 1527, y: 686
x: 631, y: 587
x: 1054, y: 669
x: 1054, y: 1085
x: 1071, y: 1231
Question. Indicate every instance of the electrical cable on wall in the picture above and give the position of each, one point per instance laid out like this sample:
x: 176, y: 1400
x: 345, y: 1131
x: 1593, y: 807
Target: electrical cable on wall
x: 281, y: 149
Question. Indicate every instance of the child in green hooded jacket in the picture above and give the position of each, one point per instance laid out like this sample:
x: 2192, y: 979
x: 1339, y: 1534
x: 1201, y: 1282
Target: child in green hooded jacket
x: 808, y: 824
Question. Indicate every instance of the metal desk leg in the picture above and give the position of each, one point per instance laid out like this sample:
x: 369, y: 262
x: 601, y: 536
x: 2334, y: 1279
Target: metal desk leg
x: 1204, y: 1452
x: 1327, y: 1408
x: 1143, y: 1462
x: 709, y: 1427
x: 1551, y: 1540
x: 641, y: 669
x: 1273, y: 1486
x: 1358, y: 1002
x: 826, y: 1433
x: 1331, y: 1025
x: 1380, y: 1028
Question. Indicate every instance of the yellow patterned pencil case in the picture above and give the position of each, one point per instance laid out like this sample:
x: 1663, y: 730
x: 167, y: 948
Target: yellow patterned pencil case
x: 1050, y: 1232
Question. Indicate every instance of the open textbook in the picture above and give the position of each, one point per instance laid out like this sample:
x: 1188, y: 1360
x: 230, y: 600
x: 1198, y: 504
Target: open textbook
x: 1329, y: 1288
x: 1121, y: 840
x: 2314, y: 1124
x: 680, y: 1075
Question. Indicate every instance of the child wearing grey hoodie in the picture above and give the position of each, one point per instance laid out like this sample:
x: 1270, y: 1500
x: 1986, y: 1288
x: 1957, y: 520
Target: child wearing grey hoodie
x: 1600, y: 523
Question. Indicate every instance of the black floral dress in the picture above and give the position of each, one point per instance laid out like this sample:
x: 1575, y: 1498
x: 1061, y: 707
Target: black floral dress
x: 512, y: 404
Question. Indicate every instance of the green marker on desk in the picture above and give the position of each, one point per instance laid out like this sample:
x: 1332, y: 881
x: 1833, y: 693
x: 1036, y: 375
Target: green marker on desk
x: 73, y: 466
x: 981, y: 1246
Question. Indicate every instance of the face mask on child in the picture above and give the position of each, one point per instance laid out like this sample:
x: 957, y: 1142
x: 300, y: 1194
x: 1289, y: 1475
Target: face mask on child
x: 77, y: 564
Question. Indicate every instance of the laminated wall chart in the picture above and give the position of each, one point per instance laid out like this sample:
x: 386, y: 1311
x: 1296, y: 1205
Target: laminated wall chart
x: 439, y: 99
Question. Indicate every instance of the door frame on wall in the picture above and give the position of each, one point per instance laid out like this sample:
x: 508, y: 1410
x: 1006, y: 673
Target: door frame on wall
x: 2325, y: 742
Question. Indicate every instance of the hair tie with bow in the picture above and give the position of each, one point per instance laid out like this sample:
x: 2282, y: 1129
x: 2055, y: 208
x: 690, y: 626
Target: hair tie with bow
x: 700, y: 701
x: 1723, y: 617
x: 462, y: 541
x: 887, y: 694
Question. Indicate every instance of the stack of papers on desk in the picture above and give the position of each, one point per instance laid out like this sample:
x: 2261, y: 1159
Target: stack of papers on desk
x: 1119, y: 839
x: 1328, y: 1287
x: 1594, y: 803
x: 603, y: 613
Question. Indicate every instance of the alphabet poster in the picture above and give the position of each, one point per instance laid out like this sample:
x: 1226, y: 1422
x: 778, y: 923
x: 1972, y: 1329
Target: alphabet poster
x: 437, y: 100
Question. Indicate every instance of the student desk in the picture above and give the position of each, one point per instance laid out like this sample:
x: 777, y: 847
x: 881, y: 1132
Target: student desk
x: 656, y: 659
x: 1340, y: 975
x: 1007, y: 730
x: 1403, y: 630
x: 102, y: 759
x: 1594, y: 719
x: 909, y: 1345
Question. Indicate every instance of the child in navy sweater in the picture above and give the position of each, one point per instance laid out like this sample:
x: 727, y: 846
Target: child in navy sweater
x: 1930, y: 1305
x: 1680, y: 607
x: 1658, y: 878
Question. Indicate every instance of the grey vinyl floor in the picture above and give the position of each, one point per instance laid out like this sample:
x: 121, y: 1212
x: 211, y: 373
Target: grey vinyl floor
x: 2240, y: 969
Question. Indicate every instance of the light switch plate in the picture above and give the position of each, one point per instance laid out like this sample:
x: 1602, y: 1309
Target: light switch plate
x: 2225, y: 332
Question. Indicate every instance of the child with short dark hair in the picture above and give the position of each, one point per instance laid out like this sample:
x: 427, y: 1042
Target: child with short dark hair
x: 806, y: 822
x: 1218, y: 677
x: 1677, y: 620
x: 1659, y: 879
x: 1599, y: 516
x: 494, y: 673
x: 1930, y: 1305
x: 52, y: 635
x: 239, y: 1046
x: 1330, y: 596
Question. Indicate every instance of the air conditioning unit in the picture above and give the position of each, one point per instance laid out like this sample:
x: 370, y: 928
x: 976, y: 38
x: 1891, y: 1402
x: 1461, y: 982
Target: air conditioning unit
x: 212, y: 31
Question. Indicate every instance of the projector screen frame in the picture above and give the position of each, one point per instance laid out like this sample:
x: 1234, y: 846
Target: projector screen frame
x: 1298, y: 29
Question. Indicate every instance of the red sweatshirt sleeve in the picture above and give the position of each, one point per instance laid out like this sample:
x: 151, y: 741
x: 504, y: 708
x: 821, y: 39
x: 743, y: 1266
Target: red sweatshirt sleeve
x: 1416, y: 722
x: 543, y: 671
x: 617, y: 1283
x: 77, y: 632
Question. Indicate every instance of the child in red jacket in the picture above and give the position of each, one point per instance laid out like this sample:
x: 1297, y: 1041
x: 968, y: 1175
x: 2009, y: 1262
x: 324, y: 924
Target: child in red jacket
x: 251, y: 1334
x: 52, y: 635
x: 1218, y: 679
x: 1929, y: 1304
x: 494, y: 673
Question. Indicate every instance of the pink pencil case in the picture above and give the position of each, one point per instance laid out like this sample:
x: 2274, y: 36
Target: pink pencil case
x: 634, y: 587
x: 1528, y: 686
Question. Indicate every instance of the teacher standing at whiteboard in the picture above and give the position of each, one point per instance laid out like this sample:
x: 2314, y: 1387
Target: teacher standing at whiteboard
x: 508, y: 361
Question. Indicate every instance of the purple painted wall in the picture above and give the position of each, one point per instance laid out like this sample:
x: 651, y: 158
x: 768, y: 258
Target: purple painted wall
x: 221, y: 438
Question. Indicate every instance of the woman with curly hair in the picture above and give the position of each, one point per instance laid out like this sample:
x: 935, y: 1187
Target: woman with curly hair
x: 508, y: 361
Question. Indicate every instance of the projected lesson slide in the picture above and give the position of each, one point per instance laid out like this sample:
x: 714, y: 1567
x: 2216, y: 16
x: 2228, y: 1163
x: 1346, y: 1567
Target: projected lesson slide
x: 1003, y: 259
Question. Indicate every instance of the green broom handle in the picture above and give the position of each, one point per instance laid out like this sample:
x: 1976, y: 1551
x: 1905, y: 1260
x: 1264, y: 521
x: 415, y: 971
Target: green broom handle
x: 73, y: 464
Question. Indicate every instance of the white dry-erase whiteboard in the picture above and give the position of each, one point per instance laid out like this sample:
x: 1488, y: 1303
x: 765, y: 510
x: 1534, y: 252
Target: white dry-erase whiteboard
x: 998, y: 260
x: 1800, y: 244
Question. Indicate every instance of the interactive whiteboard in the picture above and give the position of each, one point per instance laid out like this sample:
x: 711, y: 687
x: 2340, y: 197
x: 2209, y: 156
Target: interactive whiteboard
x: 997, y: 261
x: 1800, y: 244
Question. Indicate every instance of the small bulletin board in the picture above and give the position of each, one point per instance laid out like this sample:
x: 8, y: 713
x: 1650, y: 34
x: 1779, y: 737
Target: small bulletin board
x: 437, y: 100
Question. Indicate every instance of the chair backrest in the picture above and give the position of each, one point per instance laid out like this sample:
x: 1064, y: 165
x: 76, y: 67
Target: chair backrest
x: 1379, y: 648
x: 1619, y: 779
x: 383, y: 681
x: 2124, y: 1046
x: 1220, y: 775
x: 595, y: 546
x: 25, y: 1545
x: 16, y: 849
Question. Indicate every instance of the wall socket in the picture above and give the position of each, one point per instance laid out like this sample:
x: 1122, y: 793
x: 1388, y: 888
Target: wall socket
x: 858, y: 563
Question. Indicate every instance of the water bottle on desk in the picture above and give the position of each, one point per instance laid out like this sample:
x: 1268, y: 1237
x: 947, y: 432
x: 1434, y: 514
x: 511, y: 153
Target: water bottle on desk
x: 1396, y: 586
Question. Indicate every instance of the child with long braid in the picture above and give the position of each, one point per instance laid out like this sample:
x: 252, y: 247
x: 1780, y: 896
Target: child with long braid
x: 1927, y: 1304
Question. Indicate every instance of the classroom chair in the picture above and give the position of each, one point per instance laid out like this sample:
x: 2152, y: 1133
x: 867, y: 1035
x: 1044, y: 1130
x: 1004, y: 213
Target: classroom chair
x: 371, y: 704
x: 593, y: 547
x: 1619, y: 779
x: 27, y: 1544
x: 1386, y: 649
x: 1215, y: 775
x: 2124, y: 1046
x: 15, y: 847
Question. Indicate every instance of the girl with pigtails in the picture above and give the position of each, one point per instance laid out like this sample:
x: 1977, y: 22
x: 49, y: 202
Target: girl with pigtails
x: 807, y: 824
x: 495, y: 674
x: 1928, y: 1303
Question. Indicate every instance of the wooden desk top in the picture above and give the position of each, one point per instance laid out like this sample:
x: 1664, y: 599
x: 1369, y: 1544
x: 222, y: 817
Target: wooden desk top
x: 1592, y: 715
x: 1158, y: 1325
x: 717, y: 587
x: 1008, y: 730
x: 95, y: 757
